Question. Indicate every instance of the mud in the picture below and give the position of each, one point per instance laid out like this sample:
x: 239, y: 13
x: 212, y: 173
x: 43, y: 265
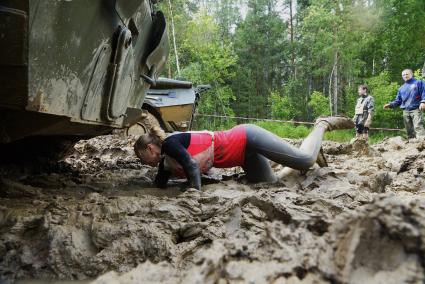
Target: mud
x: 94, y: 217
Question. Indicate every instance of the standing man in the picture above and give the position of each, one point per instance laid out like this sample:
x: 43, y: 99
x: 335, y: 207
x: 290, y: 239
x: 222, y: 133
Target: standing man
x: 363, y: 113
x: 411, y: 99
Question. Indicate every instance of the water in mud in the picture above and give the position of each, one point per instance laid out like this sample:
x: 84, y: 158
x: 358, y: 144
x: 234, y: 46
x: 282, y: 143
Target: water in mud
x: 95, y: 217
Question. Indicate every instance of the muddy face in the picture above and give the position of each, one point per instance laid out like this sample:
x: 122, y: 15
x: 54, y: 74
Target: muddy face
x: 357, y: 221
x: 151, y: 155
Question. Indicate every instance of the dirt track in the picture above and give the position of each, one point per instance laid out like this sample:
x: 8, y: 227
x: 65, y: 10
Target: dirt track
x: 360, y: 220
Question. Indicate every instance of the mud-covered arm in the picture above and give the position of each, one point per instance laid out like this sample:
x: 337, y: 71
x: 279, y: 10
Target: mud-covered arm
x: 162, y: 176
x: 174, y: 149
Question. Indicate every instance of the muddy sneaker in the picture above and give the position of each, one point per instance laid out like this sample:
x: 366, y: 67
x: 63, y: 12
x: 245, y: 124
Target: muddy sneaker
x: 336, y: 122
x: 321, y: 160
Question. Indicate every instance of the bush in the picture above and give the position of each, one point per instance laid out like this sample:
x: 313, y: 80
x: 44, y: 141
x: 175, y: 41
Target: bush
x: 319, y: 104
x: 281, y: 106
x: 384, y: 91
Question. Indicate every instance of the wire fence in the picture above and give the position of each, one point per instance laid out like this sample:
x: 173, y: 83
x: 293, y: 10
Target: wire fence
x: 214, y: 121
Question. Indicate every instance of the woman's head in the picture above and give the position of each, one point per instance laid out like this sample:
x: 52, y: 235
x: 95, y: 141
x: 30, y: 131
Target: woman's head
x: 148, y: 146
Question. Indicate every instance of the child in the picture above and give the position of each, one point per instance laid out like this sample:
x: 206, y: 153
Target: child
x: 363, y: 113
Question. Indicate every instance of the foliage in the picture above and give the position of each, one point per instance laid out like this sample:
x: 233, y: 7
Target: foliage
x: 384, y: 91
x: 260, y: 44
x: 319, y: 104
x: 281, y: 107
x: 418, y: 74
x: 262, y: 63
x: 400, y: 39
x: 211, y: 62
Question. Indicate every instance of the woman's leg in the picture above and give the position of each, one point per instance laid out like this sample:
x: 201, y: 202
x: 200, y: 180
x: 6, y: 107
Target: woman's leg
x: 276, y: 149
x: 257, y: 168
x: 261, y: 143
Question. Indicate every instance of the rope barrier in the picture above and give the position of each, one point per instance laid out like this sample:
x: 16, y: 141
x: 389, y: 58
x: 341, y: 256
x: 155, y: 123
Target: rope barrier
x: 282, y: 121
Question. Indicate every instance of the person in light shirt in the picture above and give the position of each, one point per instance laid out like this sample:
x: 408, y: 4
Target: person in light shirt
x: 363, y: 113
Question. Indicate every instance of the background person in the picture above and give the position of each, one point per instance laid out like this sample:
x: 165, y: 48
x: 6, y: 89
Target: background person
x: 363, y: 113
x: 411, y: 99
x: 191, y: 153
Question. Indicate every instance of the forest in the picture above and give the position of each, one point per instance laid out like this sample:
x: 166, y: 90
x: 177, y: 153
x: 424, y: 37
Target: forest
x: 294, y: 59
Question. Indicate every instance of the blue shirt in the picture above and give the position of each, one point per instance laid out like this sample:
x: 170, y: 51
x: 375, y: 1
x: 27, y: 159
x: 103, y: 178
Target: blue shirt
x: 410, y: 95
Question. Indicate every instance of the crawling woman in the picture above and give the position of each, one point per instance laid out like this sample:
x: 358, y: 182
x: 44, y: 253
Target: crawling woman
x: 188, y: 154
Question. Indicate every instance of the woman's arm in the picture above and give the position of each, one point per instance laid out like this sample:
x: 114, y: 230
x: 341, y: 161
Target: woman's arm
x: 162, y: 176
x: 175, y: 149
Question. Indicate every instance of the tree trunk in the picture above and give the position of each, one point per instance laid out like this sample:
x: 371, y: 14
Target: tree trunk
x: 174, y: 39
x: 291, y: 25
x: 335, y: 85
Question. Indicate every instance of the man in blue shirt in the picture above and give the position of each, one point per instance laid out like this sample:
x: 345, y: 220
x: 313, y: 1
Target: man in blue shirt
x: 411, y: 99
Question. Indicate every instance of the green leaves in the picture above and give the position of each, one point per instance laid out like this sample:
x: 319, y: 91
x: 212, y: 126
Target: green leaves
x: 262, y: 63
x: 319, y: 104
x: 385, y: 91
x: 281, y: 107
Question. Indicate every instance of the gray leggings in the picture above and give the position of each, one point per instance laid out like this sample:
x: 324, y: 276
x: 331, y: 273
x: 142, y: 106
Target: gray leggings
x: 262, y: 145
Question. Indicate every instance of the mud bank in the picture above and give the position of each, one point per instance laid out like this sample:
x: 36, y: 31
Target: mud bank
x: 95, y: 216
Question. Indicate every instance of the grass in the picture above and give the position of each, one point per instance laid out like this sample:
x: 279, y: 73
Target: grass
x: 299, y: 132
x: 291, y: 131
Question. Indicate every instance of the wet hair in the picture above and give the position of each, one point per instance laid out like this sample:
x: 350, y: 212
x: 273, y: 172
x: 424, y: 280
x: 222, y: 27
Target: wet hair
x: 364, y: 87
x: 155, y: 136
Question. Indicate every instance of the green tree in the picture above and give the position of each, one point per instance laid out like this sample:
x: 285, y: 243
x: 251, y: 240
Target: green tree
x: 385, y: 91
x: 319, y: 104
x: 211, y: 62
x: 264, y: 63
x: 399, y: 42
x: 281, y: 107
x: 332, y: 36
x: 260, y: 42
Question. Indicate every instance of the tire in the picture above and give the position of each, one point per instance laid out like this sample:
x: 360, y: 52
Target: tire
x: 143, y: 126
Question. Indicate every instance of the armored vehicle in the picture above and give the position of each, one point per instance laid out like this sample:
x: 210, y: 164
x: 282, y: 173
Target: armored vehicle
x: 76, y: 68
x: 170, y: 104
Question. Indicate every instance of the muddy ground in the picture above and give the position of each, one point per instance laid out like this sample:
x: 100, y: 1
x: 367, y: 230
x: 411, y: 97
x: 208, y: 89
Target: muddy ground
x: 95, y: 216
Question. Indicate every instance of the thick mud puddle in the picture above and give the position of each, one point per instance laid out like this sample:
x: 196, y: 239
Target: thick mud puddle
x: 95, y: 217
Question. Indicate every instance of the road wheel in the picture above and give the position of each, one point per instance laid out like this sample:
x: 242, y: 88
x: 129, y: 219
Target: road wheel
x: 144, y: 125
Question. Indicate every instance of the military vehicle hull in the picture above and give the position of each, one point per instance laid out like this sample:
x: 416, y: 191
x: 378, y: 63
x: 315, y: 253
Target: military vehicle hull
x: 76, y: 68
x: 170, y: 104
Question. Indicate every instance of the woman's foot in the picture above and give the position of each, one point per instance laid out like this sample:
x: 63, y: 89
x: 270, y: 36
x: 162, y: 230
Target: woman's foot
x: 321, y: 159
x: 336, y: 122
